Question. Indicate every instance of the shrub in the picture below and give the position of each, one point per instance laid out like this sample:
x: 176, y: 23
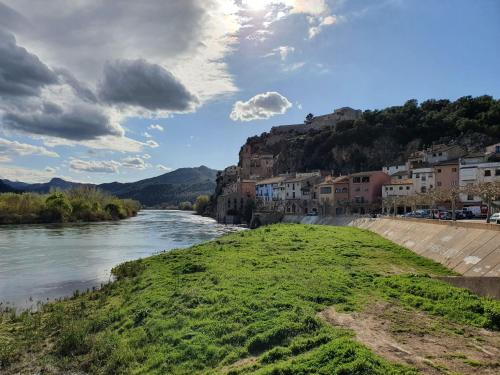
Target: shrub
x: 59, y: 207
x: 202, y: 203
x: 186, y: 206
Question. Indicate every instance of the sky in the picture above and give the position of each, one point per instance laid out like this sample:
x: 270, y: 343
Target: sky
x: 100, y: 91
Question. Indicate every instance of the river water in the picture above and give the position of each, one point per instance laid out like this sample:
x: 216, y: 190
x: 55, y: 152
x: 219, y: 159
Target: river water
x: 41, y: 262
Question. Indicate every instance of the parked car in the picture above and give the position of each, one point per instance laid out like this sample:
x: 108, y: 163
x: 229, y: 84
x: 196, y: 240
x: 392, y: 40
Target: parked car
x: 495, y: 218
x: 445, y: 215
x: 459, y: 215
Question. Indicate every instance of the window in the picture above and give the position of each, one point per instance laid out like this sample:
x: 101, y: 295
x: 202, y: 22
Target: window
x: 439, y: 171
x: 434, y: 154
x: 439, y: 183
x: 423, y: 178
x: 416, y: 175
x: 293, y: 196
x: 356, y: 180
x: 407, y: 188
x: 391, y: 188
x: 386, y: 188
x: 325, y: 190
x: 293, y: 186
x: 440, y: 154
x: 497, y: 172
x: 487, y: 173
x: 365, y: 179
x: 423, y: 189
x: 470, y: 197
x: 400, y: 188
x: 454, y: 170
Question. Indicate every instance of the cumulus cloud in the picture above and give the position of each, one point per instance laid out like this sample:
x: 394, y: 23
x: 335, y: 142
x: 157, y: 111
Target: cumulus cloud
x: 79, y: 165
x: 261, y: 106
x: 140, y: 83
x: 8, y: 148
x: 135, y: 162
x: 80, y: 89
x: 155, y: 127
x: 110, y: 166
x: 77, y: 122
x: 147, y: 135
x: 21, y: 73
x: 50, y: 170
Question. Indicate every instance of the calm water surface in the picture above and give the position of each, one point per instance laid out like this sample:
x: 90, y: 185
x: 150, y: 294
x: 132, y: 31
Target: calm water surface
x: 40, y: 262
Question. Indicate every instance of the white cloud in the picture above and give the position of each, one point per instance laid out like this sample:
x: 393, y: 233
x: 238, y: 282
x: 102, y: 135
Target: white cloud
x: 321, y: 23
x: 145, y: 156
x: 261, y: 106
x: 282, y: 51
x: 162, y: 167
x: 152, y: 144
x: 136, y: 162
x: 50, y: 170
x: 155, y: 127
x: 293, y: 67
x: 8, y: 148
x: 79, y: 165
x: 15, y: 173
x: 147, y: 135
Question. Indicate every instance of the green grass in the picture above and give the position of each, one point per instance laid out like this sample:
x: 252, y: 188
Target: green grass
x: 252, y: 295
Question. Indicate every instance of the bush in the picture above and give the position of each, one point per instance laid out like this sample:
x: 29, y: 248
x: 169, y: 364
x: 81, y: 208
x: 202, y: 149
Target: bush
x: 79, y: 204
x: 58, y: 206
x: 202, y: 203
x: 186, y: 206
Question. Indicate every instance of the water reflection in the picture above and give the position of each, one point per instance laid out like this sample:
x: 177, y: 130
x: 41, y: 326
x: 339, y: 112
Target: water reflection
x: 50, y: 261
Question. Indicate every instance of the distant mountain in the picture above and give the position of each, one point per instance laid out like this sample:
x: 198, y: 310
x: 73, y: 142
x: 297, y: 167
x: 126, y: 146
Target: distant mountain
x: 183, y: 184
x: 168, y: 189
x: 5, y: 188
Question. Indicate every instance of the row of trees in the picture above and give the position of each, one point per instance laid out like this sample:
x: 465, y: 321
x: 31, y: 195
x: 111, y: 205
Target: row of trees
x: 488, y: 192
x: 78, y: 204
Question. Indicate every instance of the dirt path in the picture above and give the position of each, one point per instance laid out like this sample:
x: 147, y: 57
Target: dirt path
x: 430, y: 344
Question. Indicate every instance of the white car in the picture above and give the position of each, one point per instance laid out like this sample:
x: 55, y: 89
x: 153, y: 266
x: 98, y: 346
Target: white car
x: 495, y: 218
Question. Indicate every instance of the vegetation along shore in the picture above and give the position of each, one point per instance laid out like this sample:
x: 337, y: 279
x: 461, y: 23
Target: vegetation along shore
x: 81, y: 204
x: 283, y: 299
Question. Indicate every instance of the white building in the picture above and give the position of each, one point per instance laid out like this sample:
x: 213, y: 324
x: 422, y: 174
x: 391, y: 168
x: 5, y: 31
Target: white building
x: 398, y: 188
x: 475, y: 170
x: 392, y: 169
x: 424, y: 179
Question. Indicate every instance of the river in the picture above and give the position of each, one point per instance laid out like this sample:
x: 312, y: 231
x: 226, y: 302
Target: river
x: 44, y: 262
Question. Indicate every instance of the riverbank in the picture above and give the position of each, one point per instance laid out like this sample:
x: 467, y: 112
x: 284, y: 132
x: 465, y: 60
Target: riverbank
x: 83, y: 204
x: 283, y: 299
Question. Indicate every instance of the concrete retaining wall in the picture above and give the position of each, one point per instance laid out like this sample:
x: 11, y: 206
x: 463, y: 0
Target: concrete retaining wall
x: 471, y: 249
x: 484, y: 286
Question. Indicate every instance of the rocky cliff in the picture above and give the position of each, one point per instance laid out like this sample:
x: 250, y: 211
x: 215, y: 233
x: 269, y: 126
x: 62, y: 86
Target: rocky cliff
x: 376, y: 138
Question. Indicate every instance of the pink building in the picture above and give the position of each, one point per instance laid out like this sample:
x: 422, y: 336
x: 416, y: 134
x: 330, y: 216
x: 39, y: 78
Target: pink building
x: 365, y: 191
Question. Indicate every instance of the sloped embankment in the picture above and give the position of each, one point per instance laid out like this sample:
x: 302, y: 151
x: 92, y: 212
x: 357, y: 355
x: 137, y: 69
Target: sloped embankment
x: 250, y: 303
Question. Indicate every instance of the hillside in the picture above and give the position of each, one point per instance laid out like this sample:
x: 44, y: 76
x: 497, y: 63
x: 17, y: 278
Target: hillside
x: 382, y: 137
x: 183, y: 184
x: 285, y: 299
x: 5, y: 188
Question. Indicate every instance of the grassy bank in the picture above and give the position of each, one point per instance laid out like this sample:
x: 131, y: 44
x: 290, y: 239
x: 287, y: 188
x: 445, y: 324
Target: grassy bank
x: 80, y: 204
x: 245, y: 303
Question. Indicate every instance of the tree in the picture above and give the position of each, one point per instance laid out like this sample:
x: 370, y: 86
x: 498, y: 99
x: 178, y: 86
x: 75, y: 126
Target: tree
x: 488, y: 192
x: 309, y: 118
x: 202, y: 203
x: 186, y: 206
x: 59, y: 206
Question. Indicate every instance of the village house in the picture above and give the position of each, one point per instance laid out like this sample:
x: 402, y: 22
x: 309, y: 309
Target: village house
x: 255, y: 166
x: 268, y: 190
x: 447, y: 175
x: 474, y: 169
x: 423, y: 179
x: 397, y: 189
x: 300, y: 193
x: 231, y: 205
x: 365, y: 191
x: 393, y: 169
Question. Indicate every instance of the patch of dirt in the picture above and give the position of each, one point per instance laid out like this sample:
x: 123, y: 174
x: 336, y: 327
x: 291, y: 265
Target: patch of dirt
x: 427, y: 343
x: 239, y: 364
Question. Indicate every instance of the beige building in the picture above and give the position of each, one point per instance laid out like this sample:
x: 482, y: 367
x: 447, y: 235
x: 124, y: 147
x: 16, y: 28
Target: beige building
x: 447, y: 176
